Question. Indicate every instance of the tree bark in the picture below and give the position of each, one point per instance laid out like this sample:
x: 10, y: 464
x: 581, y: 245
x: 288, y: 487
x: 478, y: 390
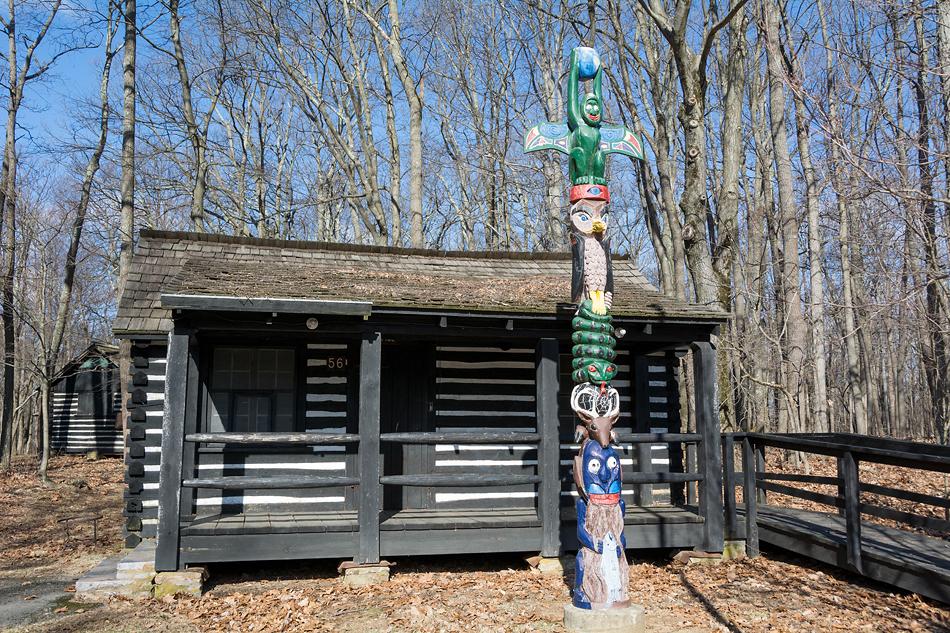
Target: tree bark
x: 856, y: 383
x: 795, y: 337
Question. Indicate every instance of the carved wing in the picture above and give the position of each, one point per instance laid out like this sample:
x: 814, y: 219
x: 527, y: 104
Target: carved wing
x: 547, y: 136
x: 616, y: 139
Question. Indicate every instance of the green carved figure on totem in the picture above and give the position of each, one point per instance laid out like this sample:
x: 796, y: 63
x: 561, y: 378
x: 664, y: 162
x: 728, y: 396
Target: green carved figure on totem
x: 585, y: 138
x: 586, y: 166
x: 594, y: 346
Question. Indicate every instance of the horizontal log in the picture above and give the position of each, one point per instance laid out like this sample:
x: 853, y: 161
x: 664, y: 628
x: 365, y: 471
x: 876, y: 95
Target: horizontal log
x: 658, y: 438
x: 467, y: 480
x: 907, y: 495
x: 273, y: 438
x: 487, y: 437
x: 808, y: 479
x: 660, y: 478
x: 255, y: 483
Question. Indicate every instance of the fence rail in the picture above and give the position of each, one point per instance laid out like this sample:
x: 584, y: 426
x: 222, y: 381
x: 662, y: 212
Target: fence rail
x: 850, y: 451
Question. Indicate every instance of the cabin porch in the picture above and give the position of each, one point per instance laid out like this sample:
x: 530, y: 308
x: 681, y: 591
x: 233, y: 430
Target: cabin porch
x: 409, y: 476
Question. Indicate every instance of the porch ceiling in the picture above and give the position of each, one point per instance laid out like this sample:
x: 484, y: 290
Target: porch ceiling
x: 199, y: 265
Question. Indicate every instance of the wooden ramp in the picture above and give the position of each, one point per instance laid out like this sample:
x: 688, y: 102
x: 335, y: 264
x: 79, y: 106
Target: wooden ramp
x: 905, y: 559
x: 843, y: 535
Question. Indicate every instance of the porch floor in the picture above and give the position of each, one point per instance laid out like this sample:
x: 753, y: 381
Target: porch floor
x: 257, y: 536
x: 414, y: 519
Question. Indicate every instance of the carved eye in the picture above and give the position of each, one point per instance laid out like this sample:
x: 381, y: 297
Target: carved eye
x: 583, y: 217
x: 593, y: 466
x: 610, y: 368
x: 612, y: 462
x: 593, y: 427
x: 592, y: 368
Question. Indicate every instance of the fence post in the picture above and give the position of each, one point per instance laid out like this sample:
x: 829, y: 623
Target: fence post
x: 750, y: 498
x: 761, y: 496
x: 549, y: 450
x: 729, y: 482
x: 370, y: 488
x: 848, y: 476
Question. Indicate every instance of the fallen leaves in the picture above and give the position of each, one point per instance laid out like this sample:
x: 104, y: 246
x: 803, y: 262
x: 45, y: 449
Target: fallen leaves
x: 31, y: 537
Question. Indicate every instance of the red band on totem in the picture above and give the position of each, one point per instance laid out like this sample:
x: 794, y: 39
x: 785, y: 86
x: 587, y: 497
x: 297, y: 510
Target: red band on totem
x: 605, y: 500
x: 589, y: 192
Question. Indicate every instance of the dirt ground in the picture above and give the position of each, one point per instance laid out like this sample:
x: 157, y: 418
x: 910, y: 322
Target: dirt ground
x: 771, y: 593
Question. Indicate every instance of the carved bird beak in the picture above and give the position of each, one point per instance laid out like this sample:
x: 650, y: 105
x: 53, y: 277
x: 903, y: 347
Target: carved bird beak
x: 598, y: 226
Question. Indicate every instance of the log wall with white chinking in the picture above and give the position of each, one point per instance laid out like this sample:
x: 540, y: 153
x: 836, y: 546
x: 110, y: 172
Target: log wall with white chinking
x: 74, y: 430
x: 145, y: 408
x: 326, y: 394
x: 485, y: 388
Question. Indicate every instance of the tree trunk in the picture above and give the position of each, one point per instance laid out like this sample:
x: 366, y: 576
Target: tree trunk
x: 127, y: 186
x: 856, y: 384
x: 937, y: 361
x: 816, y: 308
x: 794, y: 340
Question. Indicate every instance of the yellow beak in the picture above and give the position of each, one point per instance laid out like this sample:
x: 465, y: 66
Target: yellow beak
x: 598, y: 226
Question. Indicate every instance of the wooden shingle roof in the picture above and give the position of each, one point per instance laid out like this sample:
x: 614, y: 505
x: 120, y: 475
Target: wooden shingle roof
x: 513, y: 283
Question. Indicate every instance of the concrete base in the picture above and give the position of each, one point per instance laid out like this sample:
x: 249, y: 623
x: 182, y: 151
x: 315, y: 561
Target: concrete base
x: 188, y: 582
x: 627, y: 620
x: 547, y: 565
x: 104, y: 582
x: 687, y: 557
x: 733, y: 550
x: 366, y: 575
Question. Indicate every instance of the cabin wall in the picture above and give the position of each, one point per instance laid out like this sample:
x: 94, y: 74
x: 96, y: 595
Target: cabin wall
x: 145, y: 408
x: 469, y: 387
x: 327, y: 378
x: 77, y: 427
x: 484, y: 388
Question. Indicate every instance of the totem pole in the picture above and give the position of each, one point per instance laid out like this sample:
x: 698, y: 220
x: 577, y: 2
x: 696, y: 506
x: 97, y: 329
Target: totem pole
x: 601, y: 570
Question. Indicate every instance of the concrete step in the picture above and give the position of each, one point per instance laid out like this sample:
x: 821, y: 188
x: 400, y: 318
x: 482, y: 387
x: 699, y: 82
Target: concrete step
x: 138, y: 563
x: 130, y: 574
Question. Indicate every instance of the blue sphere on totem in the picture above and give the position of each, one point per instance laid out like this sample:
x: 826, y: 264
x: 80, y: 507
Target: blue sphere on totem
x: 588, y: 62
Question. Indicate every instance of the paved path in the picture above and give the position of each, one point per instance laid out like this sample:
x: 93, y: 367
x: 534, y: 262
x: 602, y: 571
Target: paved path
x: 23, y: 601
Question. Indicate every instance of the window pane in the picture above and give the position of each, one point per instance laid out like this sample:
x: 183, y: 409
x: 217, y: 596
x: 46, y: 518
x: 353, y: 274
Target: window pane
x: 252, y: 389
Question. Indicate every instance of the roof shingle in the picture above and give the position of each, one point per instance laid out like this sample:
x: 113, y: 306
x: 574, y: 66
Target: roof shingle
x: 531, y: 283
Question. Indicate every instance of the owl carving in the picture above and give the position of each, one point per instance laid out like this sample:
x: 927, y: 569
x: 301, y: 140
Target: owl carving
x: 592, y: 274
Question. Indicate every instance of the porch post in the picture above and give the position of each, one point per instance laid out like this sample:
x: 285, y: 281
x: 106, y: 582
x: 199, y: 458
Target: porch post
x: 640, y: 386
x: 549, y: 449
x: 710, y: 453
x: 173, y: 439
x: 370, y: 488
x: 190, y: 451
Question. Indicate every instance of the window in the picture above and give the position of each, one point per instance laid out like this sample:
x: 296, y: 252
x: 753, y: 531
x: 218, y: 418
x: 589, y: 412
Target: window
x: 251, y: 389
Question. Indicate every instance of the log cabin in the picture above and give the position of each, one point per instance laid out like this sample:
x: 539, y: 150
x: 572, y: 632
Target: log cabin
x: 304, y: 400
x: 86, y: 401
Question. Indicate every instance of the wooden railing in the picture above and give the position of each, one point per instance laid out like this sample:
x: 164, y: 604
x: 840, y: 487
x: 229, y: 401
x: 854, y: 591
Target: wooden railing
x: 849, y: 450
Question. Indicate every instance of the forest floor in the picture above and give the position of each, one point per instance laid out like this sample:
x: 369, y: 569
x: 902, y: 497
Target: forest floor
x: 774, y: 592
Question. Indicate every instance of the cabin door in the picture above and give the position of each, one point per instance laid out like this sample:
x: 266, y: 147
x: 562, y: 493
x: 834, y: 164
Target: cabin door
x: 405, y: 405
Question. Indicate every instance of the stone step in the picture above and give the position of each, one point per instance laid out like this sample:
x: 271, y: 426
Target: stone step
x: 139, y: 562
x: 125, y: 574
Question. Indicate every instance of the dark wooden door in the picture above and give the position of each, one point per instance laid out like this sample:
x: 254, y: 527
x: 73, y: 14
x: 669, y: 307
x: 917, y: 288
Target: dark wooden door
x: 404, y: 408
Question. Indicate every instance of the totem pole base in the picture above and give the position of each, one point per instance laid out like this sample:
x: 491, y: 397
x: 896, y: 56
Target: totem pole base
x: 624, y: 620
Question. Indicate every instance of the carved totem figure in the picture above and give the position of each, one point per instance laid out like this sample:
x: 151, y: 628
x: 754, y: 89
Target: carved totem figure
x: 601, y: 573
x: 601, y: 570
